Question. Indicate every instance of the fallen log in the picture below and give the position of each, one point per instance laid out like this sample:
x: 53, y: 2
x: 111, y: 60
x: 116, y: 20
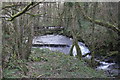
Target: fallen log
x: 50, y: 45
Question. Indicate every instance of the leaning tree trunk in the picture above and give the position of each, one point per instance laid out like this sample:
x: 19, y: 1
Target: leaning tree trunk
x: 101, y: 23
x: 118, y: 46
x: 93, y: 28
x: 30, y: 37
x: 73, y: 31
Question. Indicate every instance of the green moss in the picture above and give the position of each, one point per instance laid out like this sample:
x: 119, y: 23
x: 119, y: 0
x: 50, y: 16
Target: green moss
x: 64, y: 66
x: 58, y: 65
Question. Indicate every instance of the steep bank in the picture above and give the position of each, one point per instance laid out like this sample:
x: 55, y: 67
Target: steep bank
x: 46, y: 63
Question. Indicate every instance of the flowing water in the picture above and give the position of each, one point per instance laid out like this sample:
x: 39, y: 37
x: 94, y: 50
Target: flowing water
x: 63, y: 40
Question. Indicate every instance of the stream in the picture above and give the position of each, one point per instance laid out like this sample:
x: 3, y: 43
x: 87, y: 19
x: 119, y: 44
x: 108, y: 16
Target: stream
x: 62, y: 44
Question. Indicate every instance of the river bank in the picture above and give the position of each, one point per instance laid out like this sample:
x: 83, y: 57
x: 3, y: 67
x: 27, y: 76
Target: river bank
x: 105, y: 64
x: 61, y: 65
x: 44, y: 63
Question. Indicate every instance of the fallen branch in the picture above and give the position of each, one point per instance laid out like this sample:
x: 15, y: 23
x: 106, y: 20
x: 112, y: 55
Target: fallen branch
x: 86, y: 54
x: 110, y: 54
x: 50, y: 45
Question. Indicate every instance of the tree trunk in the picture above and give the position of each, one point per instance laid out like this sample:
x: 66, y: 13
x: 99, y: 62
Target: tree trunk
x: 107, y: 25
x: 93, y: 25
x: 30, y: 38
x: 73, y: 31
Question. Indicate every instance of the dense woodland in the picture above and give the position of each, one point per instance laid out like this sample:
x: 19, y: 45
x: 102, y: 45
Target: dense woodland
x: 93, y: 23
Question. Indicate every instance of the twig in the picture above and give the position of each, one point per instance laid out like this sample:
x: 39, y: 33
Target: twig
x: 21, y: 12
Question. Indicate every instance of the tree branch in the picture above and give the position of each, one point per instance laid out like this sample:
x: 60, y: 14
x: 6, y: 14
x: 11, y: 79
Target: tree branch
x: 10, y: 6
x: 107, y: 25
x: 34, y: 5
x: 86, y: 54
x: 21, y: 12
x: 35, y: 15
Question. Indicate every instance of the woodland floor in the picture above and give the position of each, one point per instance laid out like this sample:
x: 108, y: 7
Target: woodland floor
x: 44, y: 63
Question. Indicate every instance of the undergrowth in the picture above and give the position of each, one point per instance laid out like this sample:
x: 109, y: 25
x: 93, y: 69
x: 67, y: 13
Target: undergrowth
x: 44, y: 63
